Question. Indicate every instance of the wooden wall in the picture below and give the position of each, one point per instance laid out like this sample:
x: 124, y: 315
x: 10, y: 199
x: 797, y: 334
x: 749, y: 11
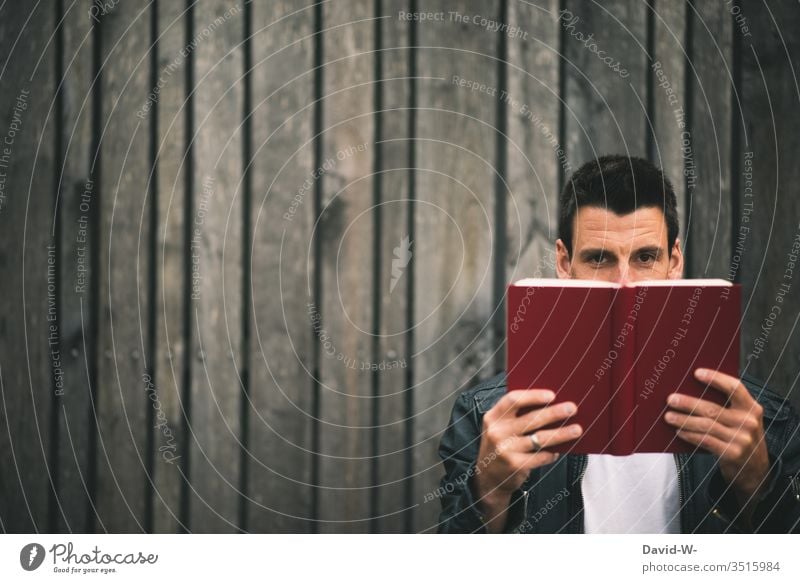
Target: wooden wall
x: 252, y: 251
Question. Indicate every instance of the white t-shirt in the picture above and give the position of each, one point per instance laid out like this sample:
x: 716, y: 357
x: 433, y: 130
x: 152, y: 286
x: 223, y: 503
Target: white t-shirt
x: 631, y: 494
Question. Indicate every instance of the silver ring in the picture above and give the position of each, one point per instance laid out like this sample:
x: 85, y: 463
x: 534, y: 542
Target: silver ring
x: 537, y: 446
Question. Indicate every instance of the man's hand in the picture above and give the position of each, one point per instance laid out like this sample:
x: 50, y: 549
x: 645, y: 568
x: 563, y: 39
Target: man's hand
x: 506, y: 444
x: 735, y: 434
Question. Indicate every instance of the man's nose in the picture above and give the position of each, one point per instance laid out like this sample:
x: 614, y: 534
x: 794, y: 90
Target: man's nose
x: 623, y: 275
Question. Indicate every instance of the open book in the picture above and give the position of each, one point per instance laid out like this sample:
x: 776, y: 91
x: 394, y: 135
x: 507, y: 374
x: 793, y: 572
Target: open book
x: 617, y: 351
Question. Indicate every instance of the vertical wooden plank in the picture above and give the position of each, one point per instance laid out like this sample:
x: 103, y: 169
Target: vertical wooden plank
x: 454, y: 215
x: 668, y: 71
x: 216, y: 246
x: 171, y: 257
x: 768, y: 202
x: 391, y: 511
x: 535, y: 154
x: 28, y: 362
x: 121, y: 406
x: 347, y: 248
x: 707, y: 157
x: 281, y: 357
x: 77, y: 208
x: 605, y: 92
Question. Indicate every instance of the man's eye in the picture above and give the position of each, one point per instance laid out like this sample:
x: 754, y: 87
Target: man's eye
x: 647, y: 257
x: 597, y: 259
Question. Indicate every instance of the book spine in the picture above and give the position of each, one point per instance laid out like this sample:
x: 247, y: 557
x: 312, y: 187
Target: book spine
x: 623, y: 377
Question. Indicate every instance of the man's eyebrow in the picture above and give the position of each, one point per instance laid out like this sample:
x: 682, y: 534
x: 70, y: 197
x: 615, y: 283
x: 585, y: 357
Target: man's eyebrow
x: 654, y: 249
x: 586, y: 254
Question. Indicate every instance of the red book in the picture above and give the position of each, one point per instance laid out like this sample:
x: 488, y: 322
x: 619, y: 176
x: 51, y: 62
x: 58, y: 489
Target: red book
x: 617, y: 351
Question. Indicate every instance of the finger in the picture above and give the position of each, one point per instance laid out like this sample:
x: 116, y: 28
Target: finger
x: 710, y: 443
x: 530, y: 461
x: 696, y: 424
x: 547, y: 438
x: 701, y: 407
x: 731, y: 386
x: 551, y: 437
x: 544, y: 416
x: 513, y: 400
x: 732, y: 418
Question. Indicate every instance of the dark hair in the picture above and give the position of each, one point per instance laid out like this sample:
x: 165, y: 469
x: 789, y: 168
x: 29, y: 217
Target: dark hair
x: 620, y: 184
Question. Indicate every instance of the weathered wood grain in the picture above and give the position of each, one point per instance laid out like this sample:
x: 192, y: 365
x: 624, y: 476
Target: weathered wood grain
x: 391, y: 511
x: 668, y: 71
x: 348, y: 241
x: 121, y: 404
x: 535, y: 153
x: 171, y: 255
x: 282, y: 268
x: 767, y: 255
x: 28, y: 258
x: 216, y: 246
x: 605, y: 101
x: 77, y: 209
x: 454, y: 212
x: 707, y: 157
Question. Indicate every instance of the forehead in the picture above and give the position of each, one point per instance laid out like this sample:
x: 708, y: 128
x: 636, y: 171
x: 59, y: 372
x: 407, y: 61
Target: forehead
x: 598, y: 227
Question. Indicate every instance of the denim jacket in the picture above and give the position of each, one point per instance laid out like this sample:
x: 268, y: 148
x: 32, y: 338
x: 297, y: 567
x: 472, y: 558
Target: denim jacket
x: 550, y: 499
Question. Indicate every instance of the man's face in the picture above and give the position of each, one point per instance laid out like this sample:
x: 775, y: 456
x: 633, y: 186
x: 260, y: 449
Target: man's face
x: 620, y: 249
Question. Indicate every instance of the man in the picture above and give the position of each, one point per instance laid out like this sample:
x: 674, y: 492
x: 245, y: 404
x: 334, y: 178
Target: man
x: 618, y: 222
